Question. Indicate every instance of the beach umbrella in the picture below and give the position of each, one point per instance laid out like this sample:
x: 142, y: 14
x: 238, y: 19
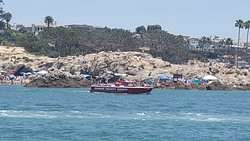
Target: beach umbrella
x: 42, y: 72
x: 12, y: 77
x: 121, y: 75
x: 88, y: 77
x: 164, y: 77
x: 210, y: 78
x: 28, y: 73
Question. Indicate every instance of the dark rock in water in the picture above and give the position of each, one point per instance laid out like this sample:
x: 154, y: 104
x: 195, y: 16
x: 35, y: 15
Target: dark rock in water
x: 58, y: 81
x: 216, y: 85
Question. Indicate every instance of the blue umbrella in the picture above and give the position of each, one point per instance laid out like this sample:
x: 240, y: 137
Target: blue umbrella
x: 164, y: 77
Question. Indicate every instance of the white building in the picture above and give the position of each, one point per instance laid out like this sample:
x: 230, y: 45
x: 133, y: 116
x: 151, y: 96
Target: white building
x: 37, y: 28
x: 193, y: 43
x: 78, y: 26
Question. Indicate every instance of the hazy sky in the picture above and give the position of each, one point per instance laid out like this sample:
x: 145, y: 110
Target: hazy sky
x: 187, y: 17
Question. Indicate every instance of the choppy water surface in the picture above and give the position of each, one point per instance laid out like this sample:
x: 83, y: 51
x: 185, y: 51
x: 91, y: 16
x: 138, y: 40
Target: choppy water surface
x: 76, y: 115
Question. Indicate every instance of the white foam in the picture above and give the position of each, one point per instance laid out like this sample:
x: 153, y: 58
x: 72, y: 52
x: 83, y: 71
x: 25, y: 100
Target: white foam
x: 25, y: 114
x: 203, y: 117
x: 141, y: 114
x: 196, y: 117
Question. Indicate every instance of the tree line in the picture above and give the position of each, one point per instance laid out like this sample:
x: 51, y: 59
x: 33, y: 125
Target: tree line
x: 5, y: 17
x: 240, y: 24
x: 63, y: 41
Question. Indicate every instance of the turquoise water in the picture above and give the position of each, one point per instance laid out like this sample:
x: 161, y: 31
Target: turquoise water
x: 77, y: 115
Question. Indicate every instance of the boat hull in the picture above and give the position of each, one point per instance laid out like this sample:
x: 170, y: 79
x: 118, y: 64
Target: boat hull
x: 128, y: 90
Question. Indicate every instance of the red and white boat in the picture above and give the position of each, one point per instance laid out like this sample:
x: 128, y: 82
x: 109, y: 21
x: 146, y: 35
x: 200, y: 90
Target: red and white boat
x: 121, y: 87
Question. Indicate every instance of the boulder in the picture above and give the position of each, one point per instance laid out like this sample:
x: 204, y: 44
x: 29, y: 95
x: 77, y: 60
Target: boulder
x: 216, y: 85
x: 20, y: 69
x: 59, y: 80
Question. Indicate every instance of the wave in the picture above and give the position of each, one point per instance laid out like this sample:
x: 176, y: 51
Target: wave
x: 195, y: 117
x: 48, y: 115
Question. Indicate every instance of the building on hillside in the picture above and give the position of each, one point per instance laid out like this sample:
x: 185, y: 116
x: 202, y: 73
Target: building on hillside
x: 82, y: 27
x: 240, y: 47
x: 243, y: 64
x: 215, y: 39
x: 37, y: 28
x: 28, y: 29
x: 193, y: 43
x: 247, y: 44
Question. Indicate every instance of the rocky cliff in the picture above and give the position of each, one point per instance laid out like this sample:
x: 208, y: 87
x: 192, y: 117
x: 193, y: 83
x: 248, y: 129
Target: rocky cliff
x: 133, y: 65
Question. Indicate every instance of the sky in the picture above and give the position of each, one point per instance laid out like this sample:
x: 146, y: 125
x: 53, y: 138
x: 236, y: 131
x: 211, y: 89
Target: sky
x: 194, y: 18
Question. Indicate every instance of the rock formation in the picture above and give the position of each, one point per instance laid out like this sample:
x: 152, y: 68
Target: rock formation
x: 132, y: 66
x: 58, y: 80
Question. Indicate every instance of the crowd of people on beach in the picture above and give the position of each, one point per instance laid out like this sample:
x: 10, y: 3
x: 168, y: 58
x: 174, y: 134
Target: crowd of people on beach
x: 160, y: 82
x: 12, y: 79
x: 175, y: 81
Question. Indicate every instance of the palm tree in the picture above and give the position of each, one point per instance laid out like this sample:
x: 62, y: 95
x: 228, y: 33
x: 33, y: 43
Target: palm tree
x: 1, y: 2
x: 2, y: 25
x: 1, y: 10
x: 7, y: 17
x: 228, y: 43
x: 247, y: 27
x: 202, y: 43
x: 222, y: 43
x: 48, y: 20
x: 240, y: 24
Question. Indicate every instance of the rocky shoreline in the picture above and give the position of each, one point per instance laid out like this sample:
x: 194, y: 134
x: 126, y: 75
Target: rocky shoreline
x: 58, y: 80
x: 71, y: 71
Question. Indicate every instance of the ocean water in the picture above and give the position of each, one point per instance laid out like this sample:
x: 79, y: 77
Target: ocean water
x: 32, y: 114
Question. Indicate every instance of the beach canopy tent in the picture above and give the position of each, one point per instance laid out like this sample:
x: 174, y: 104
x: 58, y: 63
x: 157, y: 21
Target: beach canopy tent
x: 120, y: 74
x: 87, y: 77
x: 3, y: 72
x: 12, y: 77
x: 149, y: 81
x: 164, y: 77
x: 26, y: 74
x: 210, y: 78
x: 197, y: 82
x: 42, y: 72
x: 177, y: 77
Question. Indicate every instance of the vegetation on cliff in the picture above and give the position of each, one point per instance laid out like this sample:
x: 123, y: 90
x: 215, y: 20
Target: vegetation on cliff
x: 81, y: 40
x: 61, y: 41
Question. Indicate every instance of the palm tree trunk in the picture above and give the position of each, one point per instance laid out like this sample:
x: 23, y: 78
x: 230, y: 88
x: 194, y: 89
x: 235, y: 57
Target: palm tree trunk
x: 237, y: 64
x: 7, y: 24
x: 247, y: 39
x: 239, y: 37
